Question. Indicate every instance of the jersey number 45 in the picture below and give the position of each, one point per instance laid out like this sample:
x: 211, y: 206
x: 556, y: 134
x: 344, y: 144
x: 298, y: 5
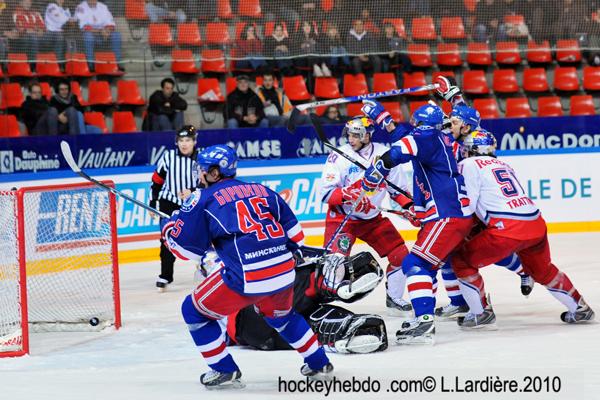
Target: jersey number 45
x: 255, y: 220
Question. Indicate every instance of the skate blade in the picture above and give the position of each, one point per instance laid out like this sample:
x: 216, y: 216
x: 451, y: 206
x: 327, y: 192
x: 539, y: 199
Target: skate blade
x: 425, y: 339
x: 394, y: 312
x: 321, y: 376
x: 235, y: 384
x: 486, y: 327
x: 161, y: 289
x: 451, y: 318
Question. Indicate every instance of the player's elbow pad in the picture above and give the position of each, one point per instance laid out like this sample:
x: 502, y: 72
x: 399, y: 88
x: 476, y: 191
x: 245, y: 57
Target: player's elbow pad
x: 396, y: 156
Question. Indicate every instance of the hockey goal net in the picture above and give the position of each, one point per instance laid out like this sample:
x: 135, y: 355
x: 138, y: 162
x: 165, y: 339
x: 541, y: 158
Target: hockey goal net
x: 58, y: 262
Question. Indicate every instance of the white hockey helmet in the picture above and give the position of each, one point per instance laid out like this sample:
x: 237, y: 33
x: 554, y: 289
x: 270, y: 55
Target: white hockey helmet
x: 360, y: 127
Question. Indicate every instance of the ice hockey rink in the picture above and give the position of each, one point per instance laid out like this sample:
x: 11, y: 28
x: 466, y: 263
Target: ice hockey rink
x: 153, y: 356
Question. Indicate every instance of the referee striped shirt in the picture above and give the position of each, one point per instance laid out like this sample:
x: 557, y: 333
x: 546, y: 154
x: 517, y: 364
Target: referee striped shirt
x: 175, y: 172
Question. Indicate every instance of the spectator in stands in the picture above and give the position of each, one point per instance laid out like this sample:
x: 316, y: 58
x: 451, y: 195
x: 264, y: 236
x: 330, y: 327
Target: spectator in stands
x: 30, y: 28
x: 166, y: 107
x: 277, y: 47
x: 362, y: 43
x: 368, y: 22
x: 488, y: 21
x: 244, y: 108
x: 250, y: 48
x: 205, y: 9
x: 57, y: 19
x: 5, y: 29
x: 539, y: 17
x: 594, y: 38
x: 332, y: 44
x: 276, y: 105
x: 69, y: 111
x: 98, y: 26
x: 395, y: 47
x: 515, y: 30
x: 161, y: 10
x: 38, y: 116
x: 570, y: 24
x: 305, y: 44
x: 332, y: 116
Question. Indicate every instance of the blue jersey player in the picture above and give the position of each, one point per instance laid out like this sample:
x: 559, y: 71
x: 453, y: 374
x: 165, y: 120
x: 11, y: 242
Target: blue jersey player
x: 440, y: 202
x: 255, y: 234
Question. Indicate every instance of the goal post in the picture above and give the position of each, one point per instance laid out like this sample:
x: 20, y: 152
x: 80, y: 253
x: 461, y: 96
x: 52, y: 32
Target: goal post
x: 58, y: 262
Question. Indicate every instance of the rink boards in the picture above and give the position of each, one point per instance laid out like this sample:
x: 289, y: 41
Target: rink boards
x: 563, y: 183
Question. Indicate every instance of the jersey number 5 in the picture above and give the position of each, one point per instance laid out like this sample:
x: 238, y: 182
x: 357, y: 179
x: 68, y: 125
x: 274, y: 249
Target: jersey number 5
x: 258, y: 221
x: 507, y: 180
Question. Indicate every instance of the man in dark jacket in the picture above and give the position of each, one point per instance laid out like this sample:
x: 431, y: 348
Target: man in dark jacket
x: 70, y: 117
x: 166, y: 107
x: 361, y: 43
x: 38, y: 116
x: 244, y: 108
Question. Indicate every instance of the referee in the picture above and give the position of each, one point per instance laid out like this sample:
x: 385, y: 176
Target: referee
x: 173, y: 181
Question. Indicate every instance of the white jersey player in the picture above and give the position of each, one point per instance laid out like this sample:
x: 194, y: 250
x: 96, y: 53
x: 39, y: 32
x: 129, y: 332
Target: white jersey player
x: 341, y: 186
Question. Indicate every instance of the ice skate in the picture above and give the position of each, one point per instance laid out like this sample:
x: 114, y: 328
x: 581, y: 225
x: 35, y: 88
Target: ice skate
x: 161, y: 285
x: 322, y: 374
x: 583, y: 314
x: 486, y: 320
x: 450, y: 312
x: 398, y: 308
x: 527, y: 283
x: 420, y: 330
x: 213, y: 380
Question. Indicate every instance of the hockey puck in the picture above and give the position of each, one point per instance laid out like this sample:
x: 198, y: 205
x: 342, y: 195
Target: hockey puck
x: 94, y: 321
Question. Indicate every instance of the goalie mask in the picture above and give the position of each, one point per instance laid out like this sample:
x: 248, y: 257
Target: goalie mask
x: 347, y: 278
x: 341, y: 331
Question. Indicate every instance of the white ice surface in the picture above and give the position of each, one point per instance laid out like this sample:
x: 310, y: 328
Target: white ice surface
x: 153, y: 357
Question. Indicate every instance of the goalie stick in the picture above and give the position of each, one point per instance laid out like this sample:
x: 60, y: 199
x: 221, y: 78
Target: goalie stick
x: 68, y: 155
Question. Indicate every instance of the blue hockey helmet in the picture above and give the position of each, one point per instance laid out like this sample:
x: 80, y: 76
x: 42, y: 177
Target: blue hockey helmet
x: 428, y: 114
x: 468, y: 115
x: 218, y: 155
x: 479, y: 143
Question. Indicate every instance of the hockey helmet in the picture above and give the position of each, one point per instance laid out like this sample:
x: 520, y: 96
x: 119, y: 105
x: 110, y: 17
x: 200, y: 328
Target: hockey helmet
x: 428, y: 114
x: 186, y: 131
x: 468, y: 115
x: 218, y: 155
x: 360, y: 127
x: 479, y: 143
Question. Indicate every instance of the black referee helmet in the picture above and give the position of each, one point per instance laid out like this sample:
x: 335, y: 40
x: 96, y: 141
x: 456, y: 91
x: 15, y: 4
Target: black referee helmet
x: 186, y: 131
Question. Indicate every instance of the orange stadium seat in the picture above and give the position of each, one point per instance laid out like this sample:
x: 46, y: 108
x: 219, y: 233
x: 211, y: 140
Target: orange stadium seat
x: 46, y: 90
x: 47, y: 65
x: 355, y: 85
x: 507, y: 53
x: 327, y: 5
x: 327, y: 88
x: 488, y: 108
x: 505, y: 81
x: 77, y: 66
x: 413, y: 80
x: 478, y: 54
x: 18, y: 67
x: 446, y: 107
x: 106, y: 64
x: 135, y: 10
x: 95, y: 118
x: 76, y: 90
x: 474, y: 82
x: 565, y: 79
x: 209, y: 91
x: 353, y: 109
x: 452, y: 28
x: 99, y: 93
x: 448, y: 55
x: 539, y: 53
x: 549, y: 107
x: 393, y: 107
x: 182, y: 62
x: 123, y: 122
x: 420, y: 55
x: 413, y: 105
x: 567, y: 51
x: 9, y: 127
x: 230, y: 84
x: 224, y: 9
x: 128, y: 93
x: 435, y: 74
x: 213, y: 61
x: 591, y: 78
x: 398, y: 25
x: 384, y: 81
x: 535, y: 80
x: 250, y: 8
x: 582, y: 105
x: 188, y: 34
x: 423, y: 29
x: 159, y: 34
x: 517, y: 107
x: 295, y: 88
x: 1, y: 72
x: 12, y: 96
x: 217, y: 33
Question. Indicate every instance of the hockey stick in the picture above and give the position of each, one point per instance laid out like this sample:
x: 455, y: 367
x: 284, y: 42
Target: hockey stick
x: 68, y: 155
x: 292, y: 121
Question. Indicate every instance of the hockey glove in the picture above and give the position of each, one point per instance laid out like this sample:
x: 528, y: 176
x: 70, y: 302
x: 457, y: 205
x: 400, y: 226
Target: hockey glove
x: 410, y: 216
x: 348, y: 195
x: 448, y: 87
x: 166, y: 225
x: 374, y: 110
x: 374, y: 175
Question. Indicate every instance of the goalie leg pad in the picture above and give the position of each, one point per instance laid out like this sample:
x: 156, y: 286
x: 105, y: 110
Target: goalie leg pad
x: 364, y: 284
